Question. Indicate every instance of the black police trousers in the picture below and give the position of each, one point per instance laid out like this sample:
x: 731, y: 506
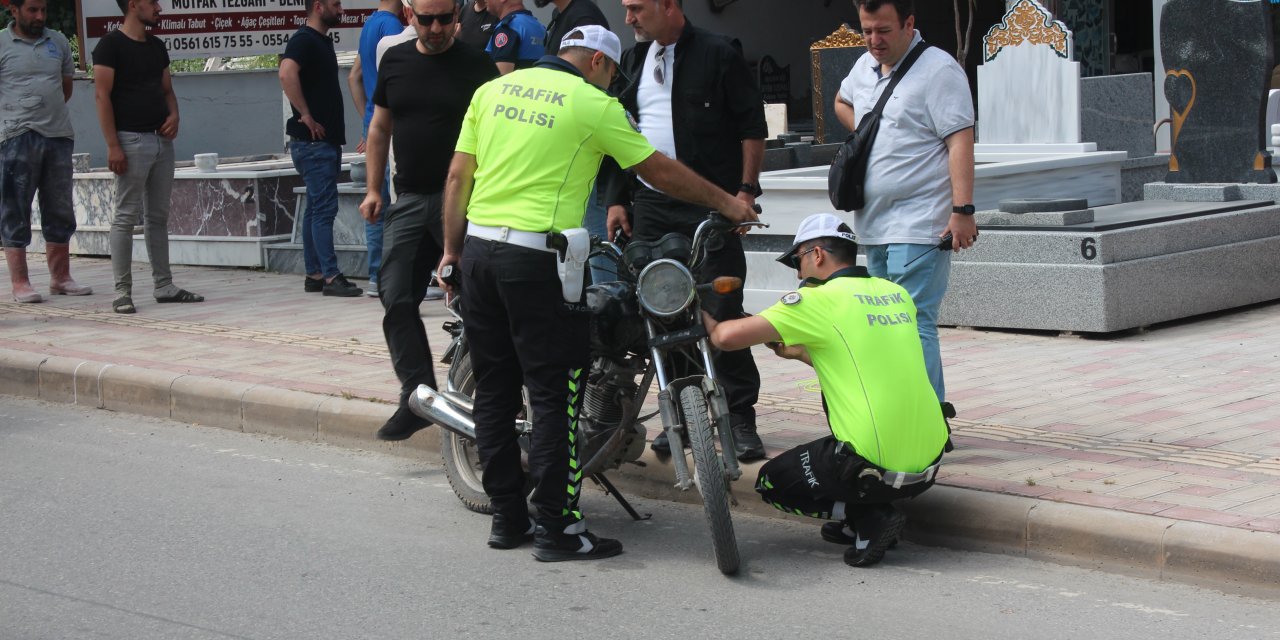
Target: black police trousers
x: 411, y: 248
x: 522, y: 333
x: 811, y: 479
x: 654, y: 215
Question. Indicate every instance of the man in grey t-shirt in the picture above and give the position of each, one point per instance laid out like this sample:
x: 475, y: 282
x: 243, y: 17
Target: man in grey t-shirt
x: 35, y: 148
x: 919, y: 185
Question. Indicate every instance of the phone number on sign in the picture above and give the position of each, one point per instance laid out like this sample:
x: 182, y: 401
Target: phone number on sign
x: 232, y: 41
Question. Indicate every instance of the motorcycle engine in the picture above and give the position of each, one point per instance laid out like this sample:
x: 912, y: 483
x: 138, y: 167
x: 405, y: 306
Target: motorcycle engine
x: 608, y: 384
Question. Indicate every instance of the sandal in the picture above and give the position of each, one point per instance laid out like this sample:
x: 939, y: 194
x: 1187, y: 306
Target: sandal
x: 123, y: 304
x: 182, y: 296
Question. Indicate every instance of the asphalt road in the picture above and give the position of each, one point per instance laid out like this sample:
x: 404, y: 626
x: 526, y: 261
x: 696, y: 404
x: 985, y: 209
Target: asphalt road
x: 115, y: 526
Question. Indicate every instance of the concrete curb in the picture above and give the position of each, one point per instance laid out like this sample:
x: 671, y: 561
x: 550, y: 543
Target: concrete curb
x: 1225, y: 558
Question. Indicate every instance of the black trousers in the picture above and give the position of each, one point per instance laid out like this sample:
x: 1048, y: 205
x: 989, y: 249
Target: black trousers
x: 810, y: 479
x: 411, y: 248
x: 522, y: 333
x: 655, y: 215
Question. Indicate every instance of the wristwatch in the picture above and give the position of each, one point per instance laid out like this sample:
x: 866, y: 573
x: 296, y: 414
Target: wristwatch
x: 752, y: 188
x: 964, y: 209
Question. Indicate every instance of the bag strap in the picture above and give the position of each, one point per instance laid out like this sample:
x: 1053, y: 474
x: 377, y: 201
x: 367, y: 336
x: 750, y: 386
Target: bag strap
x: 902, y: 71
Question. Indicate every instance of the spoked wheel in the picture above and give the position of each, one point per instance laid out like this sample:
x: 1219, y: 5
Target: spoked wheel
x: 711, y: 480
x: 461, y: 459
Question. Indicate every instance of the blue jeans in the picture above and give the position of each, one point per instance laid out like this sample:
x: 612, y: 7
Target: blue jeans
x: 31, y: 163
x: 595, y: 221
x: 318, y: 163
x: 373, y: 231
x: 926, y: 282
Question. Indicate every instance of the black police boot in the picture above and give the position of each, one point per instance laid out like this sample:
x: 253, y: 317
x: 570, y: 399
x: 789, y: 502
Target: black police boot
x: 402, y: 424
x: 839, y: 533
x: 842, y: 532
x: 874, y: 531
x: 509, y: 533
x: 559, y: 547
x: 746, y: 441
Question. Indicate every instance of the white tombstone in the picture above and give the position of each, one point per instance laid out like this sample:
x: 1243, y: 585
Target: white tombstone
x: 1273, y: 116
x: 1028, y: 85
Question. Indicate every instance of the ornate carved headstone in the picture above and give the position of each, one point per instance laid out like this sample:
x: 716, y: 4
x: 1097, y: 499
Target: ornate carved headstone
x: 775, y: 81
x: 1028, y: 84
x: 1218, y: 56
x: 831, y: 59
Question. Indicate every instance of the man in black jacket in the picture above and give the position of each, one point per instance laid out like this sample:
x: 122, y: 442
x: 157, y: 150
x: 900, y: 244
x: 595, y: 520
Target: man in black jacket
x: 696, y: 102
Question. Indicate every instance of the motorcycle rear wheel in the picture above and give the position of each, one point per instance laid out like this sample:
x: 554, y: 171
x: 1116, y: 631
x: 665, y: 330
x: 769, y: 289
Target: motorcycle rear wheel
x: 461, y: 459
x: 711, y: 480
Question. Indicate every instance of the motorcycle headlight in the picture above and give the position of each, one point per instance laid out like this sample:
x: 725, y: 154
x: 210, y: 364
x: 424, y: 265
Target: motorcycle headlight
x: 665, y: 288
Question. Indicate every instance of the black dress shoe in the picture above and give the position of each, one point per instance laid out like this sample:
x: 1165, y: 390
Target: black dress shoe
x: 313, y: 285
x: 560, y: 547
x: 662, y: 444
x: 402, y: 424
x: 509, y: 533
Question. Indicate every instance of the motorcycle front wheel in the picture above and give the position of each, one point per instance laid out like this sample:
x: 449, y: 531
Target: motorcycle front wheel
x: 711, y: 480
x: 461, y: 459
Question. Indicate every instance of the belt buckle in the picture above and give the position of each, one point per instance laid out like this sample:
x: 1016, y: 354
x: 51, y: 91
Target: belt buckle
x: 502, y: 233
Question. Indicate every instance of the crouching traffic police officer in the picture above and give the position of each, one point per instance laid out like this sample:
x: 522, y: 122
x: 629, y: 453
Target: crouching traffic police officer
x: 859, y: 334
x: 530, y: 147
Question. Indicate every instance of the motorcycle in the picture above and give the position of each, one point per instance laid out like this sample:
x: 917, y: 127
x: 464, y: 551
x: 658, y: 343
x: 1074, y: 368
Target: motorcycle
x: 640, y: 325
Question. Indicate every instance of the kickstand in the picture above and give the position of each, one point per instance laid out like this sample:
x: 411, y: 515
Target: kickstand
x: 609, y: 489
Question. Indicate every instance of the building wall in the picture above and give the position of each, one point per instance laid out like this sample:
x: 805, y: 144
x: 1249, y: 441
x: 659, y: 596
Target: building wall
x: 230, y: 113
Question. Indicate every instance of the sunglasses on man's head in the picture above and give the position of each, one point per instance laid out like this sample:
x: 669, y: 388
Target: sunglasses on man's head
x: 425, y: 19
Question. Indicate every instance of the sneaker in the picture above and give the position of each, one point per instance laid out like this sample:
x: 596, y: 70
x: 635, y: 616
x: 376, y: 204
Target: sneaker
x: 746, y: 442
x: 341, y: 287
x: 503, y: 535
x: 372, y: 289
x: 559, y: 547
x: 313, y: 285
x: 843, y: 533
x: 402, y: 424
x: 880, y: 528
x: 434, y: 293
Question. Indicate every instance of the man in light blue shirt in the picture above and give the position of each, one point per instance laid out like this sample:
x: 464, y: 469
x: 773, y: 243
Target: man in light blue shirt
x: 919, y: 184
x: 362, y: 81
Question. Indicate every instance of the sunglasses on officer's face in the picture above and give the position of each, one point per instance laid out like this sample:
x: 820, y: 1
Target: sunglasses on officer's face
x: 425, y: 19
x: 794, y: 261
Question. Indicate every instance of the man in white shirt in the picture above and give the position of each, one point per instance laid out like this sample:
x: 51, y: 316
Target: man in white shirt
x: 919, y: 184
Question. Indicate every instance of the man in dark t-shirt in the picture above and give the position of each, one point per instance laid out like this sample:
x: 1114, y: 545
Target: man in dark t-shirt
x: 567, y: 16
x: 424, y: 89
x: 309, y: 76
x: 476, y: 23
x: 138, y: 113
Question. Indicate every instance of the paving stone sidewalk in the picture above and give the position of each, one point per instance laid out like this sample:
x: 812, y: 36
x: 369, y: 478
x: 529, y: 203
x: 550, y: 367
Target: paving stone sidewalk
x: 1182, y: 420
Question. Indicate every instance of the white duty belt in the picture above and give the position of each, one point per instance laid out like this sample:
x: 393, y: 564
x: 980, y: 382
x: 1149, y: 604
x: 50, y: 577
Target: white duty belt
x: 571, y: 259
x: 526, y: 239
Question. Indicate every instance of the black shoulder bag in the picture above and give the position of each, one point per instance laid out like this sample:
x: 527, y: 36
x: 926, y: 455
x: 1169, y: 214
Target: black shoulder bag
x: 846, y: 183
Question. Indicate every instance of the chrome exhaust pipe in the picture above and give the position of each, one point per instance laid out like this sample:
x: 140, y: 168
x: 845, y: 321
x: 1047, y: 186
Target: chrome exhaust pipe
x: 429, y: 404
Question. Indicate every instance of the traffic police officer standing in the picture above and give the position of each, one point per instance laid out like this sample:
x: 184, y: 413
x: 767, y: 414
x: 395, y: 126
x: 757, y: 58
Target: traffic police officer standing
x: 530, y: 147
x: 859, y: 334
